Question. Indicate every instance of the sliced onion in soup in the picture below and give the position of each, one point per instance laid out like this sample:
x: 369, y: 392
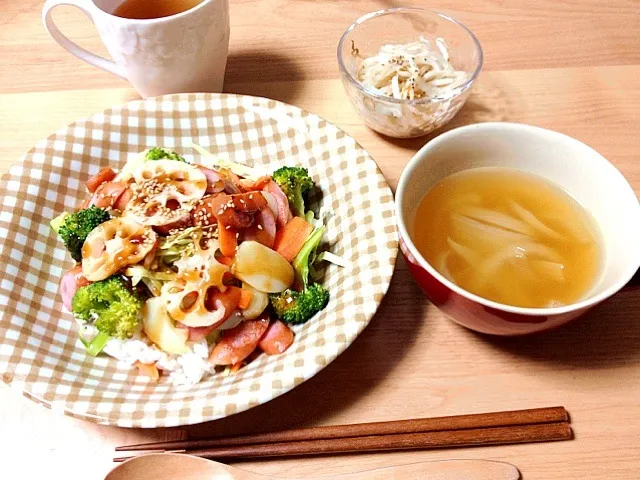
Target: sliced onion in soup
x: 552, y: 270
x: 528, y: 217
x: 441, y: 266
x: 465, y: 253
x: 537, y: 250
x: 576, y: 230
x: 487, y: 269
x: 498, y: 219
x: 482, y: 235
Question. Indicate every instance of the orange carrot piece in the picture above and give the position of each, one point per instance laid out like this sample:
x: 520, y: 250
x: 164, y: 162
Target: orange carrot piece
x: 225, y: 260
x: 245, y: 298
x: 235, y: 367
x: 261, y: 182
x: 228, y: 240
x: 291, y: 237
x: 149, y: 370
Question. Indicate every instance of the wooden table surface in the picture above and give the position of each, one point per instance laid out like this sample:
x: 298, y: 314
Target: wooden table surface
x: 568, y: 65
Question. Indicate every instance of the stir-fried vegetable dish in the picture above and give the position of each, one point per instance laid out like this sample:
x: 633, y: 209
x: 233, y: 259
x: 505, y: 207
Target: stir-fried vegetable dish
x: 191, y: 269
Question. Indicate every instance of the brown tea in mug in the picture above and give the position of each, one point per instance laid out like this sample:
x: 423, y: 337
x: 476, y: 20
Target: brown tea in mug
x: 509, y: 236
x: 148, y: 9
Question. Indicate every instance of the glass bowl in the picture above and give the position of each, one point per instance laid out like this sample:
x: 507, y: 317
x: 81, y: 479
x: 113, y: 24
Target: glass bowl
x: 405, y: 118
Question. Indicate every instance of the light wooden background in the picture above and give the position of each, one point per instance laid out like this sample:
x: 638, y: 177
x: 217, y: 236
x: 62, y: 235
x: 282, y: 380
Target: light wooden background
x: 569, y: 65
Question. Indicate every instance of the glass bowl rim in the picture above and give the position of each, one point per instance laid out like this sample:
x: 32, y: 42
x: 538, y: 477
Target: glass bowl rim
x: 373, y: 93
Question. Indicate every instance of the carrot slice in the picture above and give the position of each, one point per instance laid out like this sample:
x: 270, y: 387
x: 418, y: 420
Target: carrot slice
x: 228, y: 240
x: 228, y: 300
x: 261, y: 182
x: 245, y: 298
x: 225, y: 260
x: 149, y: 370
x: 104, y: 175
x: 235, y: 367
x: 291, y: 237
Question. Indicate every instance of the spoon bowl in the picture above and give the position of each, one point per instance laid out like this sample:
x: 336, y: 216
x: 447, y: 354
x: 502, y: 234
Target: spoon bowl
x: 177, y: 466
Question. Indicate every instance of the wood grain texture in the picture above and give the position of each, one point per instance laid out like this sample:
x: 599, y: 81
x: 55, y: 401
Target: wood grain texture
x: 569, y: 65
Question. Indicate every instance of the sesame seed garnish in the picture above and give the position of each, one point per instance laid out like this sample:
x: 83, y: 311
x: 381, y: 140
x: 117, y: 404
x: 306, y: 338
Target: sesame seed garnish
x: 259, y: 227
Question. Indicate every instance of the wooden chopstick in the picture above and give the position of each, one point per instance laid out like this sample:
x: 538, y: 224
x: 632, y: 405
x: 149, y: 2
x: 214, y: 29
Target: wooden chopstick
x: 420, y: 425
x: 544, y: 432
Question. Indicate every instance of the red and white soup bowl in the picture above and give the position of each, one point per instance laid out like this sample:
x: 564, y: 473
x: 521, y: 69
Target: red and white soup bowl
x: 581, y: 171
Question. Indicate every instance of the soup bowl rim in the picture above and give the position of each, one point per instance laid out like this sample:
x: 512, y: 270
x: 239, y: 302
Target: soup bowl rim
x: 422, y: 155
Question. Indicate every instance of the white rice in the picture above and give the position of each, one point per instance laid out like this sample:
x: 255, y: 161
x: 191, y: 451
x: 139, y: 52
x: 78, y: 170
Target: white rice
x: 186, y: 369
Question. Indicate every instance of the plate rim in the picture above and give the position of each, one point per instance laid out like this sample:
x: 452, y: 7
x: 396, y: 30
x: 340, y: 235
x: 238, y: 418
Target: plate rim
x: 175, y: 421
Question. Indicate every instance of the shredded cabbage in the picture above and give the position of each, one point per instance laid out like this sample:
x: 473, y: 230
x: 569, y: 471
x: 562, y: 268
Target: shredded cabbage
x: 137, y: 272
x: 332, y: 258
x: 151, y: 278
x: 133, y: 162
x: 175, y: 247
x: 214, y: 161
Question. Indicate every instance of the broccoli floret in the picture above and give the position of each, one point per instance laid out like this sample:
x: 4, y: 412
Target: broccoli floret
x: 295, y: 182
x: 298, y: 307
x: 57, y: 222
x: 305, y: 257
x: 77, y: 226
x: 110, y: 306
x: 159, y: 153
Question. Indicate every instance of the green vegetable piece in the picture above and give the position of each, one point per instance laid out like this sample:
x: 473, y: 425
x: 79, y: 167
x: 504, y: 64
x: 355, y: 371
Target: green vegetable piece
x: 298, y: 307
x: 159, y: 153
x: 77, y: 226
x: 110, y: 305
x: 95, y: 346
x: 307, y: 253
x: 295, y: 182
x: 57, y: 222
x: 310, y: 217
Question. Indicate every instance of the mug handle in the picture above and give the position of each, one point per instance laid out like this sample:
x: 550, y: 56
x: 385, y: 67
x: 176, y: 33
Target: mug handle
x: 72, y: 47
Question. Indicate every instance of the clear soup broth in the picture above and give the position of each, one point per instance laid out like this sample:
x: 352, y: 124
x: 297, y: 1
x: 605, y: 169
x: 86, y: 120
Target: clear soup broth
x: 509, y: 236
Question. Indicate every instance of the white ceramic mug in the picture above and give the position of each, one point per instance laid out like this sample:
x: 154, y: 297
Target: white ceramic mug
x: 186, y: 52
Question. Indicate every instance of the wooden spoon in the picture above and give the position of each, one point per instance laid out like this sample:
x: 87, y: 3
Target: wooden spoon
x: 177, y: 466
